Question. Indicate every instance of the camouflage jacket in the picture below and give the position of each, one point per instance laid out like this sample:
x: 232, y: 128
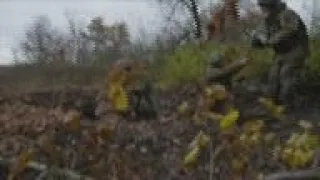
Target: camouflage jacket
x: 284, y: 30
x: 222, y: 72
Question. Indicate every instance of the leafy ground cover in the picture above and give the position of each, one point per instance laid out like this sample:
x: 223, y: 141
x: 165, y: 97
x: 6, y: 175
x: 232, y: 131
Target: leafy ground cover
x: 187, y: 142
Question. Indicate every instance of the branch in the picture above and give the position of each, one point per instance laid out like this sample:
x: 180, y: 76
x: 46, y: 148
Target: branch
x: 44, y: 168
x: 296, y: 175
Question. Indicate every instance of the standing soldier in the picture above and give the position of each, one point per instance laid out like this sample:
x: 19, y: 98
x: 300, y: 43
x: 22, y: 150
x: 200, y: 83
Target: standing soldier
x: 284, y: 31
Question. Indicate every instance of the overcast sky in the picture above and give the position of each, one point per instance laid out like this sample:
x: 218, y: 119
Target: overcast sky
x: 16, y: 15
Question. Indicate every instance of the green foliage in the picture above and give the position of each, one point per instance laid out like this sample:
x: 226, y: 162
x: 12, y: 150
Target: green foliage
x: 188, y: 63
x: 313, y: 62
x: 259, y: 64
x: 240, y: 142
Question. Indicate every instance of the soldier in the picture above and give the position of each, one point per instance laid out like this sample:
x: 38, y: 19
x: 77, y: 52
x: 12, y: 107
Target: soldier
x: 283, y: 31
x: 143, y: 98
x: 140, y: 88
x: 133, y: 76
x: 221, y: 71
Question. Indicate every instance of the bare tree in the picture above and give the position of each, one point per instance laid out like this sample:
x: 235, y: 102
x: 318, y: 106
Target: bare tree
x: 42, y: 44
x: 109, y: 41
x: 79, y: 46
x: 192, y: 6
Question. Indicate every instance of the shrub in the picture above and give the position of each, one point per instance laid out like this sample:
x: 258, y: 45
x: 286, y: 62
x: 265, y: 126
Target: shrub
x: 312, y: 70
x: 188, y: 63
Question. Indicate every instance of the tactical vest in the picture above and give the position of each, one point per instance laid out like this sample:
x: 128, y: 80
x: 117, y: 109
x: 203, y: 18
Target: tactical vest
x: 295, y: 39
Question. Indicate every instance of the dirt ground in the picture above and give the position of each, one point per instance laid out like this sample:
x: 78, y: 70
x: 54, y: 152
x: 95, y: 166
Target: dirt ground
x: 126, y: 149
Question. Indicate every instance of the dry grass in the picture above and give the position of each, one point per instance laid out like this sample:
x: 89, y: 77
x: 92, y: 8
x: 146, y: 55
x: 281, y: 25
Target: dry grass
x: 18, y: 79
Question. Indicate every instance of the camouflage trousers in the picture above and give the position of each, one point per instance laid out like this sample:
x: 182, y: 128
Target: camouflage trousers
x: 143, y: 101
x: 284, y: 76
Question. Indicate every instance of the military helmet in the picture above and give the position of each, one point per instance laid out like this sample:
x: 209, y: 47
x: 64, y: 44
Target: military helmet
x: 268, y: 2
x: 216, y: 59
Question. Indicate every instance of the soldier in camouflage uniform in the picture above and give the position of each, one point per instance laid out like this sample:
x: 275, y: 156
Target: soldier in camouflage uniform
x: 219, y: 71
x: 142, y: 93
x: 283, y: 31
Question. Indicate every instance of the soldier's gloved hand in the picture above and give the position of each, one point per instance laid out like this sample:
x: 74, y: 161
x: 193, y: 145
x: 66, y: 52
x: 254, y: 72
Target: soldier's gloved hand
x: 258, y: 42
x: 244, y: 61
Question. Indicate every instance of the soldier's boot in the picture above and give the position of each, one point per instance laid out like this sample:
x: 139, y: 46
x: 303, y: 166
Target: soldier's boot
x: 289, y: 76
x: 287, y: 94
x: 273, y: 91
x: 144, y: 104
x: 149, y: 107
x: 135, y: 103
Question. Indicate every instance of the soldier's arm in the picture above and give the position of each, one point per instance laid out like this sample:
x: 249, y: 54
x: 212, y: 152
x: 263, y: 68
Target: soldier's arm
x: 258, y: 34
x: 289, y: 22
x: 226, y: 72
x: 213, y: 73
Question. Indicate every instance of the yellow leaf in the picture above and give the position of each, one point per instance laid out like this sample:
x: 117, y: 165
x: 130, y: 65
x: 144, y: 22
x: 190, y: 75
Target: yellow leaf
x: 302, y: 158
x: 201, y: 140
x: 312, y: 141
x: 230, y: 119
x: 276, y: 110
x: 196, y: 146
x: 191, y: 158
x: 183, y: 107
x: 119, y: 98
x: 116, y: 80
x: 301, y: 147
x: 20, y: 164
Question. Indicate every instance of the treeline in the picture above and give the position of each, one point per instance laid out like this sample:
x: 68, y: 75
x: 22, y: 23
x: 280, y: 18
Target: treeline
x: 97, y: 43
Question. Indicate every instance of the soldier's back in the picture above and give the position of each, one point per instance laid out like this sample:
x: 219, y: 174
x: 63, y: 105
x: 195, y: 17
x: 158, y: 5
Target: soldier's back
x: 289, y: 19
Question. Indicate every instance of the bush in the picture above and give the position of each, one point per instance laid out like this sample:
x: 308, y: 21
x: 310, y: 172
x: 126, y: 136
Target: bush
x: 188, y: 63
x: 312, y: 70
x: 185, y: 65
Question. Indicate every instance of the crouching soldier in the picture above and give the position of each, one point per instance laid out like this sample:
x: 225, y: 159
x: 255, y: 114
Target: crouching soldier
x: 138, y: 88
x: 222, y: 72
x: 143, y: 97
x: 219, y: 77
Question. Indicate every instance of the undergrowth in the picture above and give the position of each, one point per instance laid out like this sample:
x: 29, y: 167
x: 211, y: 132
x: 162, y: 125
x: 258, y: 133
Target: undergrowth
x: 236, y: 140
x: 188, y: 63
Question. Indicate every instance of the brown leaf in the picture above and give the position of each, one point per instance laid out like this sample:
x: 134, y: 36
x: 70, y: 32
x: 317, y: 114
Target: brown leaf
x: 72, y: 121
x: 105, y: 130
